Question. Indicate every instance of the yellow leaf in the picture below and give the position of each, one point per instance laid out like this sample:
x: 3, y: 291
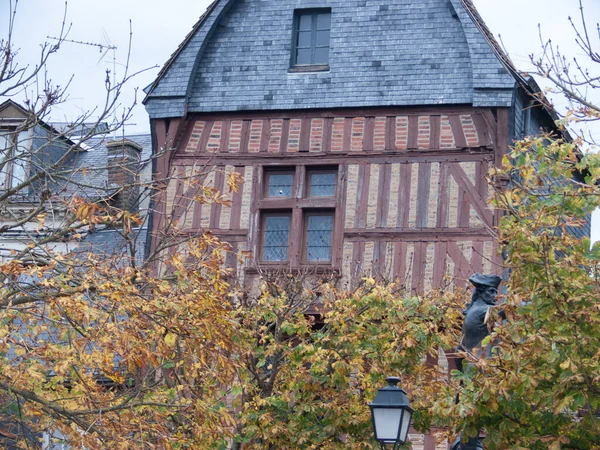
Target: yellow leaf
x: 554, y: 446
x: 170, y: 339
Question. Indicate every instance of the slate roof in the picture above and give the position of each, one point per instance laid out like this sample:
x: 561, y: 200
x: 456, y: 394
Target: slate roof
x: 80, y: 129
x: 110, y: 243
x: 90, y: 176
x: 388, y: 53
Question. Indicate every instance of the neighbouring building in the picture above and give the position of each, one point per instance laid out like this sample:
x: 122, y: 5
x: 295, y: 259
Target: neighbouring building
x: 44, y: 166
x: 82, y: 161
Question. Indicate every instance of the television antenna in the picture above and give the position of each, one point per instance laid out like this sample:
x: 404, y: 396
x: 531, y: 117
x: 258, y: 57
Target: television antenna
x: 93, y: 44
x: 104, y: 49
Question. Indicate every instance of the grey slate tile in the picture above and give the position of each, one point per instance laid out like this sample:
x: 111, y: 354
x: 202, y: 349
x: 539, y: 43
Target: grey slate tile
x: 254, y: 39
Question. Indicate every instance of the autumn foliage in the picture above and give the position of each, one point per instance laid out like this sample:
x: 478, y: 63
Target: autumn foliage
x: 538, y: 389
x: 111, y: 355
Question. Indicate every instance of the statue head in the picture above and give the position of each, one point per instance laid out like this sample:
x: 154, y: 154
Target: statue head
x: 486, y: 287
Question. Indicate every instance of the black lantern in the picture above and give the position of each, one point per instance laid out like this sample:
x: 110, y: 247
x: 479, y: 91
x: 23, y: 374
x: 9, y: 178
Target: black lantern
x: 391, y: 415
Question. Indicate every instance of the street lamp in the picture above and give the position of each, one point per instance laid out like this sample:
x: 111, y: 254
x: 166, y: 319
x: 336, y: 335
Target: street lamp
x: 391, y: 414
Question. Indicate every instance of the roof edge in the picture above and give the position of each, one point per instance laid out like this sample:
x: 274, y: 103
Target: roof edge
x: 46, y: 125
x: 527, y: 83
x: 150, y: 88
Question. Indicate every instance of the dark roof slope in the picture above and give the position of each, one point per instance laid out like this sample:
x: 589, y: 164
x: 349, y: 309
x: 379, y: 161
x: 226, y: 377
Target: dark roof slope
x: 382, y: 53
x: 111, y: 243
x: 90, y: 176
x: 80, y: 129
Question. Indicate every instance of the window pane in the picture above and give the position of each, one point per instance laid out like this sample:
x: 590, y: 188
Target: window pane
x: 18, y: 172
x: 303, y: 56
x: 280, y: 185
x: 4, y: 143
x: 304, y: 39
x: 319, y: 238
x: 4, y: 150
x: 277, y: 230
x: 324, y: 21
x: 322, y: 184
x: 321, y: 55
x: 323, y: 38
x: 305, y: 22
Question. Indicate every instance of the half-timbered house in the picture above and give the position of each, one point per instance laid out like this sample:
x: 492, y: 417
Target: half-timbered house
x: 363, y: 130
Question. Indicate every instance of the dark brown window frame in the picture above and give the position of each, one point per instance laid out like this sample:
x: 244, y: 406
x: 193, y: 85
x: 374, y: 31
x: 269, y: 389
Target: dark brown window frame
x: 299, y: 205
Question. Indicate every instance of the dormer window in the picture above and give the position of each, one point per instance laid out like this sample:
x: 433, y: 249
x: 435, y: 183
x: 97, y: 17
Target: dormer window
x: 310, y: 46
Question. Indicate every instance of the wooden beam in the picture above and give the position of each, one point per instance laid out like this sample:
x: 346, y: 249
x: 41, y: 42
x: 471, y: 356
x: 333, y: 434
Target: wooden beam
x: 418, y: 234
x: 450, y: 155
x: 390, y: 133
x: 478, y: 203
x: 413, y: 132
x: 457, y: 131
x: 435, y: 127
x: 215, y: 214
x: 342, y: 112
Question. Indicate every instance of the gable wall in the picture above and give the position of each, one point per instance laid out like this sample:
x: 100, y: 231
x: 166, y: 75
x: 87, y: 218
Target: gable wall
x: 381, y: 53
x: 12, y: 112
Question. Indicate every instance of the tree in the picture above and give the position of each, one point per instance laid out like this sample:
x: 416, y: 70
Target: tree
x: 305, y: 380
x: 109, y: 351
x: 575, y: 78
x: 99, y: 350
x: 539, y: 387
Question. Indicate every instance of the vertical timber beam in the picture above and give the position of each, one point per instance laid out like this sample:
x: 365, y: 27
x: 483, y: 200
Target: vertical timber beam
x: 500, y: 151
x: 168, y: 134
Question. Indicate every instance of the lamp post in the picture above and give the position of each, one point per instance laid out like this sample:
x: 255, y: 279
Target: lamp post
x: 391, y: 414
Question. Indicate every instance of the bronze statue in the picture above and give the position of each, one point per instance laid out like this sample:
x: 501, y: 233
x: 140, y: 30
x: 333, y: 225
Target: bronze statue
x: 475, y: 329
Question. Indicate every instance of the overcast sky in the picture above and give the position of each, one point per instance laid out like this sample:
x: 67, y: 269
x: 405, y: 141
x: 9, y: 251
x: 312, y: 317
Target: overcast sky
x: 159, y: 26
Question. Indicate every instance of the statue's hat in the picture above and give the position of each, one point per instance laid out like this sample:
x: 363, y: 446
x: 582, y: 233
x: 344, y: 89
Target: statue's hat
x: 479, y: 280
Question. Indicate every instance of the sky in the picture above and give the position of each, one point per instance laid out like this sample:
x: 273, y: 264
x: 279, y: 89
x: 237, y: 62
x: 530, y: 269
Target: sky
x: 158, y: 26
x: 157, y: 30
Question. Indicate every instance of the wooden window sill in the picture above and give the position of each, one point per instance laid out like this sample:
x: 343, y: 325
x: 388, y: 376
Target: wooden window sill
x: 309, y: 68
x: 308, y: 269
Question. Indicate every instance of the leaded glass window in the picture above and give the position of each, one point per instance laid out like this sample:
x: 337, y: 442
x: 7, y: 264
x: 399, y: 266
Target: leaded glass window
x: 280, y: 184
x: 297, y: 210
x: 322, y: 184
x: 276, y: 237
x: 318, y: 237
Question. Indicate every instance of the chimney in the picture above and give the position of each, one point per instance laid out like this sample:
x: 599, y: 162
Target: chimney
x: 123, y: 172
